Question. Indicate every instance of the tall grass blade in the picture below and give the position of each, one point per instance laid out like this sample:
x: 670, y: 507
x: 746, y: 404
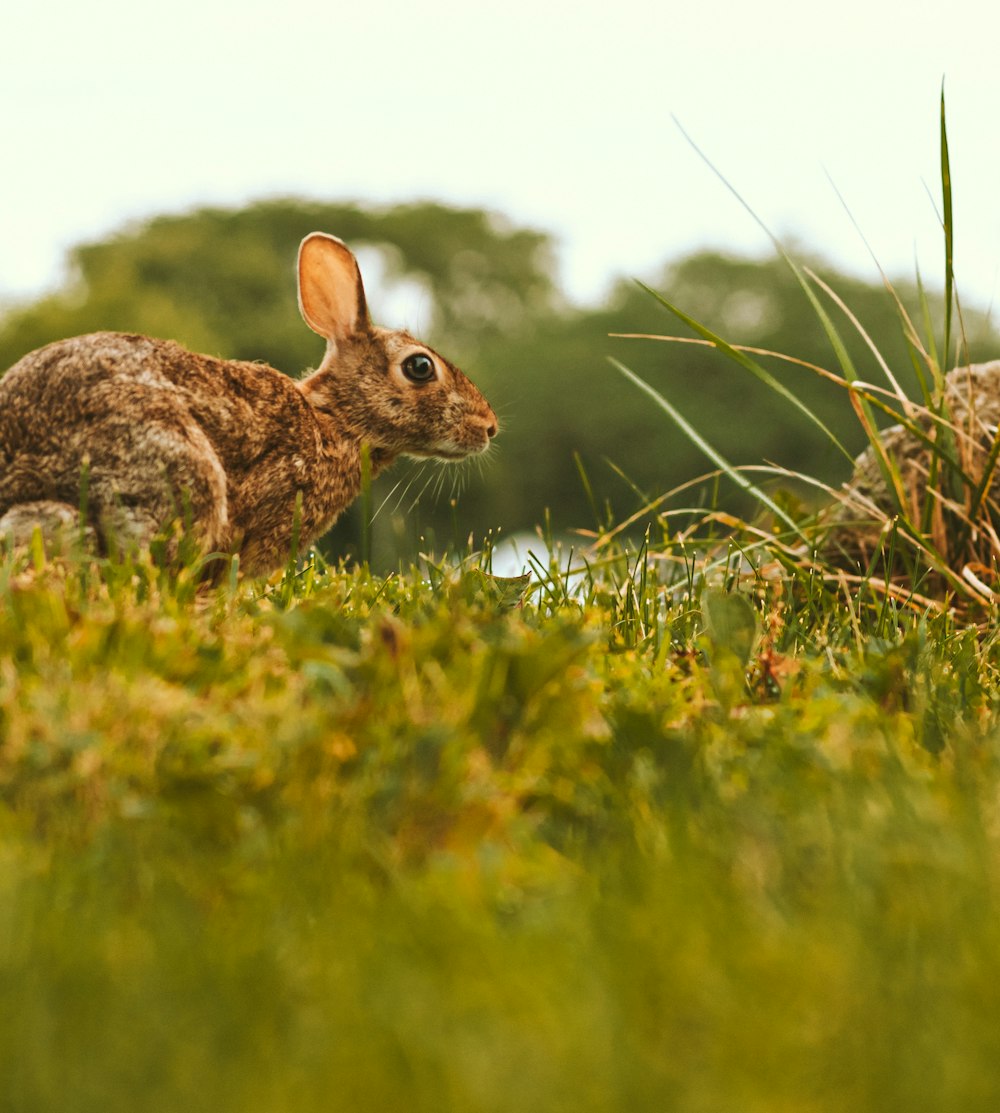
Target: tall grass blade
x: 932, y: 352
x: 910, y: 334
x: 949, y: 230
x: 840, y: 349
x: 366, y: 505
x: 862, y: 332
x: 588, y: 490
x: 699, y: 442
x: 751, y: 365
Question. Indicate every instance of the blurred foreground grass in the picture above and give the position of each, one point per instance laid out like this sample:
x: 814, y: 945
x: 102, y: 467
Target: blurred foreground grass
x: 340, y: 842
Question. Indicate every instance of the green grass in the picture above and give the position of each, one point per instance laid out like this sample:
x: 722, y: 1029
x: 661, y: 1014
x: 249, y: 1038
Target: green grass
x: 339, y: 842
x: 706, y: 823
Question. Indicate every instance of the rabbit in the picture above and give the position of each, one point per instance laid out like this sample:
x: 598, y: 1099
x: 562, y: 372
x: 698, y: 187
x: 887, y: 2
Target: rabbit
x: 133, y: 432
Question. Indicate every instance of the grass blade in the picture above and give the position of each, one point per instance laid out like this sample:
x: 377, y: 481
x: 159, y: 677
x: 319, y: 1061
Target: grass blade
x: 949, y: 230
x: 744, y: 360
x: 699, y: 442
x: 840, y: 349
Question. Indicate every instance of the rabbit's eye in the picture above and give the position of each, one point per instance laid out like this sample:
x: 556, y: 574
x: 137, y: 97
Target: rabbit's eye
x: 418, y: 368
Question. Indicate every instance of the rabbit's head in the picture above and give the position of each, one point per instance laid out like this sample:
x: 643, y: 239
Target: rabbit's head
x: 383, y: 386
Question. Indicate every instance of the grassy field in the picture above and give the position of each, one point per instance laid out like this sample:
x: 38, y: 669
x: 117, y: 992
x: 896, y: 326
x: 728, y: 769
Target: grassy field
x: 671, y: 827
x: 656, y: 840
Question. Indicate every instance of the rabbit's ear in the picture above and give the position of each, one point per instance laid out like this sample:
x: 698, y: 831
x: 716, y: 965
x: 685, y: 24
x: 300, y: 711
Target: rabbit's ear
x: 331, y: 294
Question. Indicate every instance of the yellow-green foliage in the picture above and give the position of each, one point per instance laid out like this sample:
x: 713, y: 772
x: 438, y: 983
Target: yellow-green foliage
x: 340, y: 842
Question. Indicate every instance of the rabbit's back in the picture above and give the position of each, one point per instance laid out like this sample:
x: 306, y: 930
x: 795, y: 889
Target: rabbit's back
x: 54, y: 394
x: 133, y: 424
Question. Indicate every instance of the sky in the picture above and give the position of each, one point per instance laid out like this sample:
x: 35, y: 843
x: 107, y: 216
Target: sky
x: 567, y: 117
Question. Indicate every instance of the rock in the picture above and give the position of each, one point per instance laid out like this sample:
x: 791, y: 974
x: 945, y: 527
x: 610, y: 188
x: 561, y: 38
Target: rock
x: 972, y: 400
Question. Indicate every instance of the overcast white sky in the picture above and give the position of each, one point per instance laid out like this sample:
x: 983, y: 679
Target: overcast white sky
x: 556, y: 113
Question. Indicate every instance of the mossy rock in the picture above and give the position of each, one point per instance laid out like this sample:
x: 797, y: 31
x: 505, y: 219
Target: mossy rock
x: 963, y: 440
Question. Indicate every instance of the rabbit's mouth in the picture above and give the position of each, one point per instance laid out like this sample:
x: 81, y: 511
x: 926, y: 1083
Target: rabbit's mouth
x: 452, y: 451
x: 469, y: 441
x: 448, y: 455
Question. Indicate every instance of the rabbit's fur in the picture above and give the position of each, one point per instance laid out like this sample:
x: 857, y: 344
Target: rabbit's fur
x: 141, y: 432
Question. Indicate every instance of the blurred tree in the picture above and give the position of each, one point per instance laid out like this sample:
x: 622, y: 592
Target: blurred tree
x: 221, y: 281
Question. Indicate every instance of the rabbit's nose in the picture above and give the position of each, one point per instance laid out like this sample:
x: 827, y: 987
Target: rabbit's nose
x: 492, y: 430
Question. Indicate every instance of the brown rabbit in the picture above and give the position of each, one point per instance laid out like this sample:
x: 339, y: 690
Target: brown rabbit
x: 140, y: 431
